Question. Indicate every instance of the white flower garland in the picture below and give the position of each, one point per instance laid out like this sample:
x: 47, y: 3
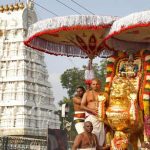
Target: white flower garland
x: 101, y: 105
x: 111, y: 59
x: 68, y: 21
x: 147, y: 58
x: 124, y: 23
x: 132, y: 111
x: 132, y: 19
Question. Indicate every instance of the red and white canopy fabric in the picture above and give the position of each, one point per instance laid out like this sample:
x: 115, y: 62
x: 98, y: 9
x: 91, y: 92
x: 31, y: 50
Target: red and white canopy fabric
x: 130, y: 33
x: 78, y: 36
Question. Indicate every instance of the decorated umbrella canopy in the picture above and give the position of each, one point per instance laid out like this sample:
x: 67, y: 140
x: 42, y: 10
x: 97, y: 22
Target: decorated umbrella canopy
x: 70, y: 35
x: 77, y: 36
x: 132, y: 35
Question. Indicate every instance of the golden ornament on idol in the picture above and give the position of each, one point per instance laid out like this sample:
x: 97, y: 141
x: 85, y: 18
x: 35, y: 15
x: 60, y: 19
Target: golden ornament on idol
x: 101, y: 107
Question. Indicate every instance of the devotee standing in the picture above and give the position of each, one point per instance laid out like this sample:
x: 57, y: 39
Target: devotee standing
x: 86, y: 140
x: 89, y: 104
x: 79, y: 114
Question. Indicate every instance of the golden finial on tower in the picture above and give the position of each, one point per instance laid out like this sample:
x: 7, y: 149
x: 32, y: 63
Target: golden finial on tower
x: 11, y: 7
x: 21, y: 6
x: 1, y: 9
x: 6, y: 8
x: 16, y: 7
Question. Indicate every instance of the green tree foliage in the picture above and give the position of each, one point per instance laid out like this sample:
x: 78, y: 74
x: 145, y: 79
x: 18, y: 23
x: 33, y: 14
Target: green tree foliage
x: 71, y: 78
x: 74, y: 77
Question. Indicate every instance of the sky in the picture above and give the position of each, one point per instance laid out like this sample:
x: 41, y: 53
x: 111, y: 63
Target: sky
x: 56, y: 65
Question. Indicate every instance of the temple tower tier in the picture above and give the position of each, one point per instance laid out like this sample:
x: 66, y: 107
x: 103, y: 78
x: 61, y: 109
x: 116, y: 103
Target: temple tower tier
x: 26, y: 100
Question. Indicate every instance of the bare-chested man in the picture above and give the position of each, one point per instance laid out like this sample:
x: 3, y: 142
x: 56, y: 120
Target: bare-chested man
x: 89, y: 104
x: 86, y: 140
x: 79, y: 114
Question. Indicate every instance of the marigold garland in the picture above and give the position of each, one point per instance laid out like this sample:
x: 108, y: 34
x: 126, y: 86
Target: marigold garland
x: 146, y: 94
x: 111, y: 61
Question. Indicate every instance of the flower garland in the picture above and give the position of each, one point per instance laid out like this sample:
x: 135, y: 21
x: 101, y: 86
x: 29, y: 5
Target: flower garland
x: 111, y: 61
x: 119, y: 143
x: 133, y: 107
x: 146, y: 94
x: 101, y: 107
x: 89, y: 75
x: 131, y: 23
x: 147, y: 128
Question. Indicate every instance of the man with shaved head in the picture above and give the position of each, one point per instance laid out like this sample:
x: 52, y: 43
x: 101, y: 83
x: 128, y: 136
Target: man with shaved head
x: 86, y: 140
x: 90, y: 103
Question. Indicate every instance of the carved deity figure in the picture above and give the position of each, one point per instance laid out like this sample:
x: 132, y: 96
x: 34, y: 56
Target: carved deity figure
x: 129, y: 68
x: 123, y: 112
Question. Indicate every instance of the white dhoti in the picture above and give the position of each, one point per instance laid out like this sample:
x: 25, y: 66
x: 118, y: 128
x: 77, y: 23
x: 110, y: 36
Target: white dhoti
x: 79, y: 117
x: 98, y: 128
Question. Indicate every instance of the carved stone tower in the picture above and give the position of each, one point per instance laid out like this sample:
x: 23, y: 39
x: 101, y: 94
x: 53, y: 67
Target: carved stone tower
x: 26, y: 100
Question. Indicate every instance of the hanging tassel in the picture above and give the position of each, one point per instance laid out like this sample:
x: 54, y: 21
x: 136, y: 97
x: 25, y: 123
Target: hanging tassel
x: 89, y: 74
